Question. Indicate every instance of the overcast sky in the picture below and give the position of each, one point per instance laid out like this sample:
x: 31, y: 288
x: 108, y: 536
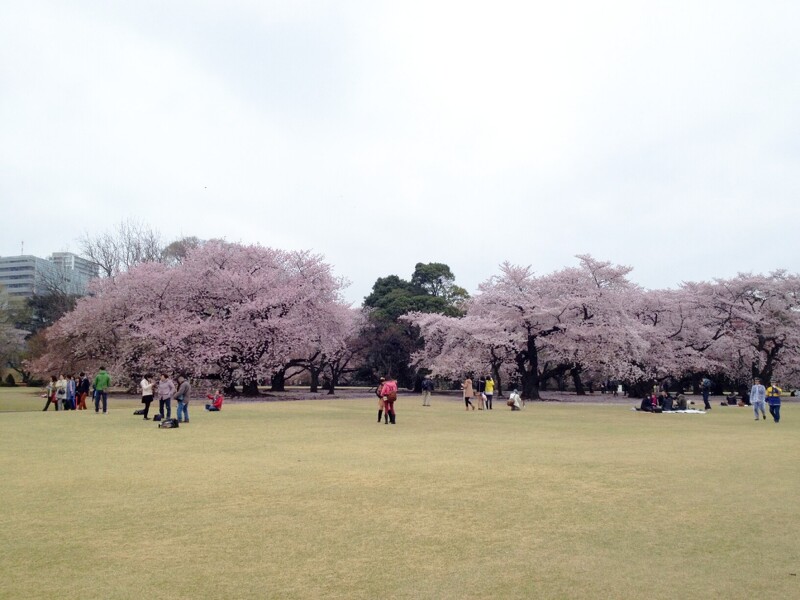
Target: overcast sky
x: 661, y: 135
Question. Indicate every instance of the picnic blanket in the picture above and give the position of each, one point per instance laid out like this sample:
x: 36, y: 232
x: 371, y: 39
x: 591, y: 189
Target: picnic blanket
x: 688, y: 411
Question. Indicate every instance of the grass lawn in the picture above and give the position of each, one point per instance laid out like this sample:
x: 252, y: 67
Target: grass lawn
x: 314, y: 499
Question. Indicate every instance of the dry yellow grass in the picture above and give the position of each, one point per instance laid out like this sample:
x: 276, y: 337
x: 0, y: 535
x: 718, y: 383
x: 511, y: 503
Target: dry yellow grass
x: 316, y: 500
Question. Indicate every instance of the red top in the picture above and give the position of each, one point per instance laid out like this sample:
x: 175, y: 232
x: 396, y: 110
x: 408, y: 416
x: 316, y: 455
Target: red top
x: 217, y: 400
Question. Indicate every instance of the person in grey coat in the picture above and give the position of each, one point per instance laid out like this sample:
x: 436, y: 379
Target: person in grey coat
x: 182, y: 397
x: 758, y: 395
x: 164, y: 392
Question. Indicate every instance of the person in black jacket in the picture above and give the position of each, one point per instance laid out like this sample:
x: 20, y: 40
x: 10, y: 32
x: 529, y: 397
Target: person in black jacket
x: 427, y: 390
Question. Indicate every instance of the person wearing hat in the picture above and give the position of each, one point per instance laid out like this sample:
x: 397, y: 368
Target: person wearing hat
x: 774, y: 401
x: 757, y: 396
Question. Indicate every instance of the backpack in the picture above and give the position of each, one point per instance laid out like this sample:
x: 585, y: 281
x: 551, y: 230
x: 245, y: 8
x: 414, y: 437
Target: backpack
x: 168, y: 424
x: 156, y: 417
x: 389, y: 390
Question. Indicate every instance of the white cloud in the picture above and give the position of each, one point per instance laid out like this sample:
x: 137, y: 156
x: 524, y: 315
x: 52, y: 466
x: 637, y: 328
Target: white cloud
x: 658, y: 135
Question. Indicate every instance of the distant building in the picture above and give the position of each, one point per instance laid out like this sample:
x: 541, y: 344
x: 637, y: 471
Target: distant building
x: 68, y: 260
x: 26, y: 275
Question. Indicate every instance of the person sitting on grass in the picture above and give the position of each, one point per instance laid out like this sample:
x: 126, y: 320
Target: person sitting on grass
x: 217, y: 398
x: 649, y: 404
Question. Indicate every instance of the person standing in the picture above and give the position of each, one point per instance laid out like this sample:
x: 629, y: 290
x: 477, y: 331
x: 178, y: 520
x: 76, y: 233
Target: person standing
x: 164, y: 391
x: 489, y: 387
x: 147, y: 394
x: 182, y: 397
x: 468, y: 393
x: 389, y: 394
x: 757, y: 396
x: 774, y: 400
x: 381, y: 403
x: 61, y: 392
x: 706, y: 385
x: 102, y: 381
x: 427, y: 390
x: 71, y: 390
x: 83, y: 390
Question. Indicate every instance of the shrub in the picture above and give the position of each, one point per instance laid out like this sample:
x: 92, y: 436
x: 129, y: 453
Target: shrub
x: 10, y: 380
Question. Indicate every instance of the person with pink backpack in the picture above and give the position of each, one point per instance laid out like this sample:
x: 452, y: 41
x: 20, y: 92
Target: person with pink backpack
x: 387, y: 391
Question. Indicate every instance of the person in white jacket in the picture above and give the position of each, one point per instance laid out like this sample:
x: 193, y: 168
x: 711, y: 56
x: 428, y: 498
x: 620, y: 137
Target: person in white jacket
x: 515, y: 401
x: 147, y: 394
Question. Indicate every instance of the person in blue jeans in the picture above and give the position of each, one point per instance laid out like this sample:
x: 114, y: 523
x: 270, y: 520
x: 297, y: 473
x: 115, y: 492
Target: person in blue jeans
x: 181, y: 395
x: 102, y: 382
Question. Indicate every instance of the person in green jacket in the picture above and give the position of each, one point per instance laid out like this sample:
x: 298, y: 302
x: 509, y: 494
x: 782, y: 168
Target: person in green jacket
x: 102, y: 381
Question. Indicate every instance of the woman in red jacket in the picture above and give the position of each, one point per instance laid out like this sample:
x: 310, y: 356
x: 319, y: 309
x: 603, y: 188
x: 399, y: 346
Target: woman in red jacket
x: 216, y: 401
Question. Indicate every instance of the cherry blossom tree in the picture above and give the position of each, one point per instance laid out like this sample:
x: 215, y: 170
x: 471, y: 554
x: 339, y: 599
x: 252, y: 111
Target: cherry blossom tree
x: 573, y: 321
x: 751, y: 322
x: 227, y: 311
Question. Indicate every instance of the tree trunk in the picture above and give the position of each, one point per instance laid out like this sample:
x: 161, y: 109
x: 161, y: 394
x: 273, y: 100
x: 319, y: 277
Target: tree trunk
x: 639, y: 389
x: 278, y: 381
x: 250, y: 388
x: 230, y: 390
x: 576, y: 380
x: 314, y: 379
x: 528, y: 367
x: 498, y: 383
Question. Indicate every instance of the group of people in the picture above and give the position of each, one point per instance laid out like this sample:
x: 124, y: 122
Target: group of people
x: 166, y: 391
x: 663, y: 402
x: 70, y: 392
x: 484, y: 393
x: 759, y: 396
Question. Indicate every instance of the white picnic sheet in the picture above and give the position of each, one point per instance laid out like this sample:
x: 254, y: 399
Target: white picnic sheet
x: 689, y: 411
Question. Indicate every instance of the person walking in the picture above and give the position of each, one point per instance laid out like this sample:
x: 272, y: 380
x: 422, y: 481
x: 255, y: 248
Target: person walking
x: 427, y: 390
x: 102, y: 381
x: 164, y: 392
x: 489, y: 391
x: 774, y: 401
x: 182, y: 397
x: 147, y: 394
x: 50, y: 393
x: 468, y: 393
x: 757, y: 396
